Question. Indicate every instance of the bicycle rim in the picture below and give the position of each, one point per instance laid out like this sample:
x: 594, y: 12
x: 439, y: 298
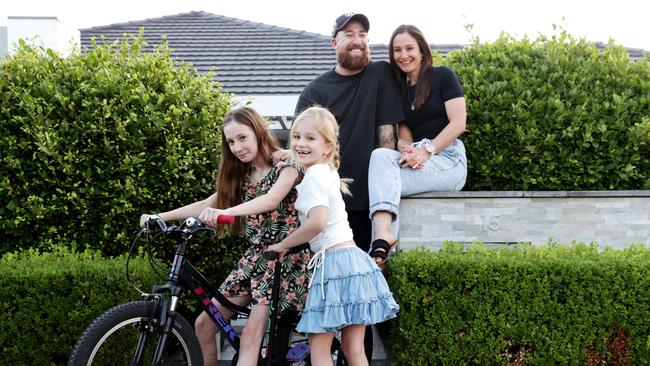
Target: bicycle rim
x: 114, y: 338
x: 124, y: 337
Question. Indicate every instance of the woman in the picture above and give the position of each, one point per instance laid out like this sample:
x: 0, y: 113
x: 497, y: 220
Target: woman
x: 430, y: 156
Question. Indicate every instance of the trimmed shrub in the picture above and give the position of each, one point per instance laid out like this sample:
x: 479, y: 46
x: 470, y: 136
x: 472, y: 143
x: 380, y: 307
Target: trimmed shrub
x: 556, y: 304
x: 91, y: 141
x: 555, y: 113
x: 50, y: 298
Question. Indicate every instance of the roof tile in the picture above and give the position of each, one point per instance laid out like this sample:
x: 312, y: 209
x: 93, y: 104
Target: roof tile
x: 246, y: 57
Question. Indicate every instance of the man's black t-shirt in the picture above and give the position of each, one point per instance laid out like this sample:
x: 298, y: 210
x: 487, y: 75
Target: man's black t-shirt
x: 432, y: 116
x: 360, y: 103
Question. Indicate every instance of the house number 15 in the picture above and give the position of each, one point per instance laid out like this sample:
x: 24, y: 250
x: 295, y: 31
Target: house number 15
x: 490, y: 223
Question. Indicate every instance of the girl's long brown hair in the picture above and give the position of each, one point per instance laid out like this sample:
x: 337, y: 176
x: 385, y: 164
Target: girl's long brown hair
x: 423, y: 88
x: 232, y: 171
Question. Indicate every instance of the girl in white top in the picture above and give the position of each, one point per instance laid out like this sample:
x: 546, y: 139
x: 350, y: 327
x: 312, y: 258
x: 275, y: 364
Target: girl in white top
x: 348, y: 290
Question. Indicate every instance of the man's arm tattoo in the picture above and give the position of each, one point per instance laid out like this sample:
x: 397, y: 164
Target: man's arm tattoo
x: 386, y: 136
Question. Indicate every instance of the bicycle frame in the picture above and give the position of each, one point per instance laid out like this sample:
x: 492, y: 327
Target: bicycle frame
x: 183, y: 275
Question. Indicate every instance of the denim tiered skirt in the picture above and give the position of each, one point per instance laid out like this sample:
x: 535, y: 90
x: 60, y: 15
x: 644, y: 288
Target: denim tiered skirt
x: 352, y: 290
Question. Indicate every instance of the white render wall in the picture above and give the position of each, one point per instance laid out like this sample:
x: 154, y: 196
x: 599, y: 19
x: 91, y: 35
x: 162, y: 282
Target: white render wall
x: 3, y: 40
x: 275, y: 106
x: 41, y: 31
x: 609, y: 218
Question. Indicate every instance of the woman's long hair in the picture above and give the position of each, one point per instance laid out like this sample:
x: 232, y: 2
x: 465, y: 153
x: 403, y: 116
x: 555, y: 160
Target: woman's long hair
x: 232, y: 171
x: 423, y: 88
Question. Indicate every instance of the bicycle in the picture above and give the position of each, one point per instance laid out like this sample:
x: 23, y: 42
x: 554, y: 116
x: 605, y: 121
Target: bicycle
x: 150, y: 331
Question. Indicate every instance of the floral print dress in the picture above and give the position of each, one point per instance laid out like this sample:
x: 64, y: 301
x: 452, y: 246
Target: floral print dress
x: 253, y: 275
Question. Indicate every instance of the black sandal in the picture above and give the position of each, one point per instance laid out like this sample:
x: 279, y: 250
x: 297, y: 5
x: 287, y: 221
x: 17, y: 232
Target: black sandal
x: 380, y: 248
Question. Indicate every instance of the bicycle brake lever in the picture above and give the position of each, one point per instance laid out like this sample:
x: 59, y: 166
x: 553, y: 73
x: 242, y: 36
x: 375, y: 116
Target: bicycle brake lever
x: 158, y: 221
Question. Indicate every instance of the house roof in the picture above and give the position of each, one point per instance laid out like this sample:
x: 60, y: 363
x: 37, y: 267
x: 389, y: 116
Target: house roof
x: 249, y: 58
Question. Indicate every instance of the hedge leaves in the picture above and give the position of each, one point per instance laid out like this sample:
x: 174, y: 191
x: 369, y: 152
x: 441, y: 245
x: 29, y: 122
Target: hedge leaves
x: 555, y: 113
x: 91, y: 141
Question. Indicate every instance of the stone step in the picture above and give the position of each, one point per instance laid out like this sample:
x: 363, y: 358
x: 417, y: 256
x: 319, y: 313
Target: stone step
x: 501, y: 218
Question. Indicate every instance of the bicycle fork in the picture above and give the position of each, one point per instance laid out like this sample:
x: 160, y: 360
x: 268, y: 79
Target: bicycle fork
x: 165, y: 314
x: 168, y: 325
x: 161, y: 316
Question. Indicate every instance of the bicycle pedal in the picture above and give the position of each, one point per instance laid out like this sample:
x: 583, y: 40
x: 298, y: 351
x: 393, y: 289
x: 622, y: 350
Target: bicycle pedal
x: 298, y: 352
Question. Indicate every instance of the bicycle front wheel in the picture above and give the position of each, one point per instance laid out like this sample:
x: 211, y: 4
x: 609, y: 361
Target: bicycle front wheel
x: 127, y: 330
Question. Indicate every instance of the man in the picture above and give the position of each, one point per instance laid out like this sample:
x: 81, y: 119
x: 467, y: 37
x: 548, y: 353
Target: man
x: 366, y: 102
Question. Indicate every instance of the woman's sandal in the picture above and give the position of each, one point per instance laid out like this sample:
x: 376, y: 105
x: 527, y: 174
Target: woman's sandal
x: 380, y: 249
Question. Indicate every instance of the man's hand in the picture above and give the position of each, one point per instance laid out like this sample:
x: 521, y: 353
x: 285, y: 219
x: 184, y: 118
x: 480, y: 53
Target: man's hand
x: 403, y: 144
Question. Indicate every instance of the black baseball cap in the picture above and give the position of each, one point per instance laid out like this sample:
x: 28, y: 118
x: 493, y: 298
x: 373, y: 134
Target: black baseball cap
x: 344, y: 19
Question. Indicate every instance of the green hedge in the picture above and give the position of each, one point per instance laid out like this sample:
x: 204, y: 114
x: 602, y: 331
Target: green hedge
x: 560, y: 305
x: 91, y: 141
x: 555, y: 113
x: 49, y: 299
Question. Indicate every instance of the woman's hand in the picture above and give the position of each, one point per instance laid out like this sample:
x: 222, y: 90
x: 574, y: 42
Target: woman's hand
x: 422, y: 156
x: 209, y: 216
x: 413, y: 157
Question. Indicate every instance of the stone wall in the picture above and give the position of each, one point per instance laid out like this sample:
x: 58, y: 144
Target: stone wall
x: 609, y: 218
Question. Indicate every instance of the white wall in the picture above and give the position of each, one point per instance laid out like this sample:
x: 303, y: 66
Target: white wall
x: 3, y: 40
x: 271, y: 106
x: 41, y: 31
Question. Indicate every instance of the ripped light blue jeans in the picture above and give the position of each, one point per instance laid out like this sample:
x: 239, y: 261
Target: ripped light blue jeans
x: 388, y: 181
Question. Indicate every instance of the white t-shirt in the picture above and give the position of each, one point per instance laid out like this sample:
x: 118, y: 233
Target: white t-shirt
x: 321, y: 187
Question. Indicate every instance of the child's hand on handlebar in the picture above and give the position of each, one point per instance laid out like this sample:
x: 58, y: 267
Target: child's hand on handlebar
x: 144, y: 218
x: 278, y: 248
x: 209, y: 216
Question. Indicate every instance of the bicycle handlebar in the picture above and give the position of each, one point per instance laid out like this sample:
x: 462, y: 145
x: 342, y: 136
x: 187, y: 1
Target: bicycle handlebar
x: 271, y: 255
x: 226, y: 219
x: 191, y: 223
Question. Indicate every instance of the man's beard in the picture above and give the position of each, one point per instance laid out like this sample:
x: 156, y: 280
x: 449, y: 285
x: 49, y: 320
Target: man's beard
x: 353, y: 63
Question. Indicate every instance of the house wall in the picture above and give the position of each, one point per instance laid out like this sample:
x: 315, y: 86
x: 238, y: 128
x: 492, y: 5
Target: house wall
x: 41, y: 31
x: 270, y: 105
x: 3, y: 41
x: 277, y: 109
x: 609, y: 218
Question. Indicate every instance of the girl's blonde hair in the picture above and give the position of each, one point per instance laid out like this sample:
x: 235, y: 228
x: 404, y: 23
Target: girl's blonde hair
x: 327, y: 126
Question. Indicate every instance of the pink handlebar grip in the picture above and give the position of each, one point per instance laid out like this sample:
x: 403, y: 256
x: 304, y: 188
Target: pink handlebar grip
x: 225, y: 219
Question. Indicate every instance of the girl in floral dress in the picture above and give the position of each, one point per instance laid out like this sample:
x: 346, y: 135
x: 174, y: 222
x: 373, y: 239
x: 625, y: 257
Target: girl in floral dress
x: 249, y: 185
